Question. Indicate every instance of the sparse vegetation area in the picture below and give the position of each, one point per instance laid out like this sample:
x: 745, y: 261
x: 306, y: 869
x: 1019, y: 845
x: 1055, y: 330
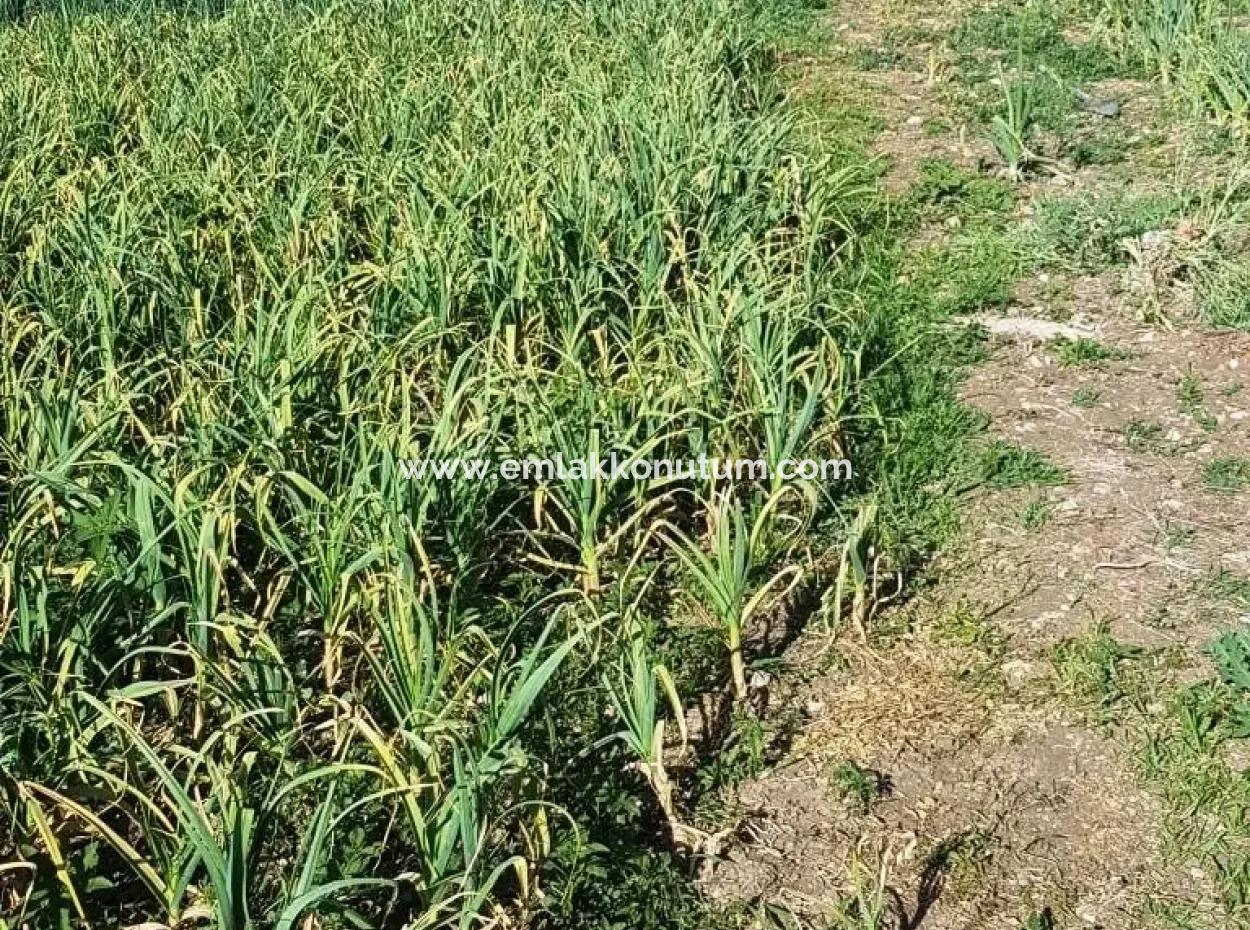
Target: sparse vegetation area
x: 1230, y: 587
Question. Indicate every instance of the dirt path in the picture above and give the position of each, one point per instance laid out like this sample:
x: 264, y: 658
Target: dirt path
x: 963, y: 768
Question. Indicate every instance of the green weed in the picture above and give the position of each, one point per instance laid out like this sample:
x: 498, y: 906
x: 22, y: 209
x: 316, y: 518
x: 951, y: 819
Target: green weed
x: 1177, y: 536
x: 856, y: 785
x: 1229, y: 586
x: 1223, y: 294
x: 1142, y: 435
x: 878, y: 58
x: 1089, y: 668
x: 1047, y: 69
x: 1190, y: 399
x: 1004, y: 465
x: 1228, y: 474
x: 1089, y: 234
x: 975, y: 272
x: 1077, y: 352
x: 1035, y: 33
x: 965, y: 860
x: 964, y: 625
x: 1036, y: 514
x: 1189, y: 393
x: 1040, y: 920
x: 946, y: 189
x: 742, y: 757
x: 1086, y: 397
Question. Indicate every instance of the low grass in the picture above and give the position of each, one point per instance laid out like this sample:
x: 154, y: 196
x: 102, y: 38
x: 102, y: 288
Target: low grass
x: 1178, y: 535
x: 1189, y: 394
x: 969, y: 626
x: 1184, y: 752
x: 1183, y: 736
x: 1187, y: 735
x: 1223, y: 298
x: 1020, y: 74
x: 975, y: 271
x: 1230, y: 587
x: 1097, y: 672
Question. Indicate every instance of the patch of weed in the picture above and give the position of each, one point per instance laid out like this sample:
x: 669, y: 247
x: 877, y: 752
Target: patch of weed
x: 1229, y: 586
x: 742, y: 757
x: 1181, y: 758
x: 837, y: 123
x: 877, y: 58
x: 1031, y: 42
x: 1224, y: 294
x: 976, y: 271
x: 927, y: 446
x: 1036, y: 514
x: 1231, y: 653
x: 1088, y: 667
x: 1088, y: 233
x: 632, y: 888
x: 909, y: 34
x: 964, y: 625
x: 1228, y: 474
x: 946, y: 188
x: 1142, y: 435
x: 1189, y: 400
x: 1074, y: 352
x: 1086, y: 397
x: 963, y: 860
x: 1034, y: 33
x: 1189, y: 394
x: 695, y: 656
x: 860, y: 787
x: 1040, y: 920
x: 1085, y: 152
x: 1176, y: 536
x: 1004, y: 465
